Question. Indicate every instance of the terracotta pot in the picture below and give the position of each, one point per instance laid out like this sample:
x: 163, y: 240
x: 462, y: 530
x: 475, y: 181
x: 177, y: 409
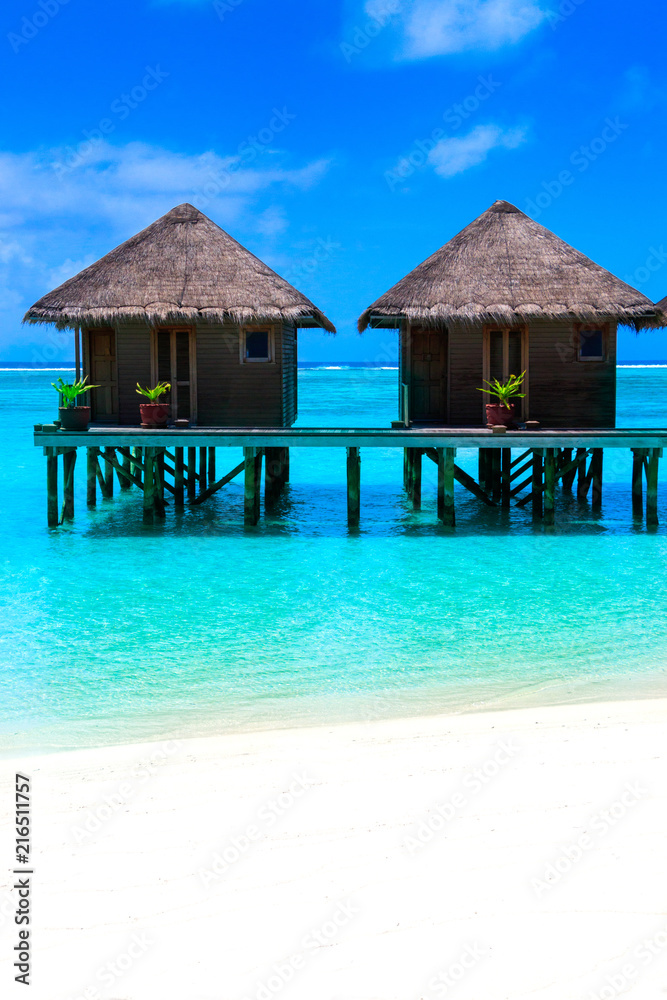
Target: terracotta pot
x: 74, y: 418
x: 496, y: 413
x: 154, y: 414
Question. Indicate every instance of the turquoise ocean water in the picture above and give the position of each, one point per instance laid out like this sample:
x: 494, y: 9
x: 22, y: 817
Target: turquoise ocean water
x: 111, y: 631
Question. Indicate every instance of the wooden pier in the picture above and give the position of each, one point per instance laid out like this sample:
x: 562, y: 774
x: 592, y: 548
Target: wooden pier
x: 516, y: 468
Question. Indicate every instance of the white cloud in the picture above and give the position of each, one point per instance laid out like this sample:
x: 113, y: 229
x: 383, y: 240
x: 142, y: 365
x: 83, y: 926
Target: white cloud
x: 272, y: 221
x: 63, y: 208
x: 134, y: 184
x: 454, y: 155
x: 442, y: 27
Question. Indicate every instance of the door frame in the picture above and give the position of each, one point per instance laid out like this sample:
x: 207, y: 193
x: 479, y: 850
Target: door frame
x: 522, y: 329
x: 406, y: 371
x: 192, y: 359
x: 87, y: 368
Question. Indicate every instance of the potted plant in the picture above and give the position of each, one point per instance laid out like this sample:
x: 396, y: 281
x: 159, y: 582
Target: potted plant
x: 154, y: 414
x: 502, y: 412
x: 72, y: 416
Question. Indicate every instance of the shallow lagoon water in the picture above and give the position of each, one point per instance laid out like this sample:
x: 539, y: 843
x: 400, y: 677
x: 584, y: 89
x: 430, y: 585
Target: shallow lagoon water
x: 112, y: 631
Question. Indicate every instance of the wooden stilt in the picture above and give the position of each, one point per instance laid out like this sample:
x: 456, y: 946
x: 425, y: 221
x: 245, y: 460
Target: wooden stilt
x: 108, y: 473
x: 582, y: 477
x: 159, y: 482
x: 505, y: 480
x: 417, y: 478
x: 549, y: 484
x: 446, y: 512
x: 124, y: 481
x: 192, y: 472
x: 488, y: 469
x: 652, y: 487
x: 69, y: 461
x: 202, y: 468
x: 135, y: 468
x: 638, y: 483
x: 211, y: 466
x: 596, y: 478
x: 253, y: 476
x: 179, y: 495
x: 149, y: 486
x: 101, y: 479
x: 568, y: 477
x: 536, y: 494
x: 286, y: 465
x: 52, y: 487
x: 481, y: 467
x: 91, y: 476
x: 353, y: 487
x: 273, y: 473
x: 463, y: 478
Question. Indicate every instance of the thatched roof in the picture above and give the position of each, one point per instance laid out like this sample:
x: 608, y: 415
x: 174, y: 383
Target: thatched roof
x: 505, y: 268
x: 662, y: 305
x: 180, y: 269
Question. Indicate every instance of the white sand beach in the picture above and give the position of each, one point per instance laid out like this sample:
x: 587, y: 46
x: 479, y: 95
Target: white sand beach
x: 494, y: 855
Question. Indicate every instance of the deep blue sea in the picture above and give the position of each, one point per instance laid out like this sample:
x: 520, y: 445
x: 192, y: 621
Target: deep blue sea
x: 112, y: 631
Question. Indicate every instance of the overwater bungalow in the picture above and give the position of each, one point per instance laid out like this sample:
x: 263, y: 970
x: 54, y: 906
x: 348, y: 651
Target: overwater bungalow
x: 184, y: 303
x: 502, y: 297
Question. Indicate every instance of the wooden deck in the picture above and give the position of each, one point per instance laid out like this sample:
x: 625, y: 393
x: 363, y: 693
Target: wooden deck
x: 182, y: 463
x: 357, y: 437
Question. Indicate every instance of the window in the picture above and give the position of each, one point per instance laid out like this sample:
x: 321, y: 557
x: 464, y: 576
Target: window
x: 256, y: 345
x: 591, y: 344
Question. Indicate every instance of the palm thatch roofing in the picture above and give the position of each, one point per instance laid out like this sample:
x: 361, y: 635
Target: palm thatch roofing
x: 506, y: 268
x: 662, y: 305
x: 180, y: 269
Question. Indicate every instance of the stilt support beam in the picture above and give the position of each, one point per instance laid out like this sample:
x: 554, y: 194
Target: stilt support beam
x: 446, y: 512
x: 549, y: 484
x: 353, y: 487
x: 179, y: 477
x: 274, y: 473
x: 537, y: 484
x: 91, y: 476
x: 253, y: 474
x: 52, y: 487
x: 652, y: 487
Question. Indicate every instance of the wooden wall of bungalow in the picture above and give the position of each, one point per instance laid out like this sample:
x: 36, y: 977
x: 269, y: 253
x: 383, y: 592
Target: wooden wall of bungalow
x: 213, y: 382
x: 569, y: 382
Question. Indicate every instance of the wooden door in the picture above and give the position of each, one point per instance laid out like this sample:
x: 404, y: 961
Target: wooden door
x: 102, y: 370
x: 428, y: 375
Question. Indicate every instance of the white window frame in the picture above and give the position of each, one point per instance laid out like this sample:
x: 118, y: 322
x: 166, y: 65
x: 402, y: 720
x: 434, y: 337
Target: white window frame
x: 257, y: 328
x: 582, y: 328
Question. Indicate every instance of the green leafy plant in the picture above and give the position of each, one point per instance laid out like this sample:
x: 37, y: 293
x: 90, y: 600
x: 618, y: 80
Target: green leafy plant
x: 71, y: 390
x: 505, y: 391
x: 154, y: 394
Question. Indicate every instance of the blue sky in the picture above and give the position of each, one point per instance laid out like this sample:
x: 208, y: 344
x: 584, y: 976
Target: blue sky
x: 342, y: 142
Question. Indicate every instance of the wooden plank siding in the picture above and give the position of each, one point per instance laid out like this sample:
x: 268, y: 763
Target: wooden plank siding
x: 562, y: 391
x: 565, y: 392
x: 466, y: 364
x: 233, y: 394
x: 133, y: 364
